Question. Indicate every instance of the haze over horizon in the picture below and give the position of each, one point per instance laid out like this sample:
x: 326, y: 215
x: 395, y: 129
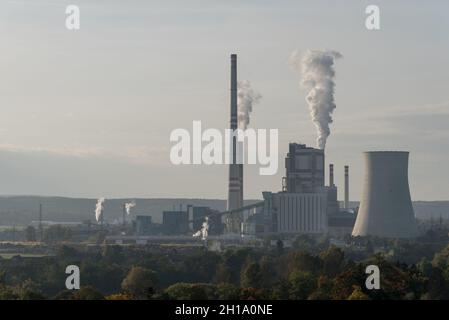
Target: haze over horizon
x: 89, y: 113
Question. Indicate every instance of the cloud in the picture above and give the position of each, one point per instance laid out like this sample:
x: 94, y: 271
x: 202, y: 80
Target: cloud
x: 134, y: 154
x: 425, y: 121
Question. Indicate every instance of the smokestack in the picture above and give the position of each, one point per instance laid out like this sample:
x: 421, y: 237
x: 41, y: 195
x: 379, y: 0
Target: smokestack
x: 346, y: 204
x: 124, y: 214
x: 235, y: 191
x: 331, y: 175
x: 41, y: 230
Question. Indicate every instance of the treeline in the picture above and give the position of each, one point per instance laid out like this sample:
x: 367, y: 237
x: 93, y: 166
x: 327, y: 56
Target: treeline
x: 119, y: 272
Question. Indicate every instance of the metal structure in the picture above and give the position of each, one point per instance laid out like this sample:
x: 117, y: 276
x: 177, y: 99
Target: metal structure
x: 386, y: 207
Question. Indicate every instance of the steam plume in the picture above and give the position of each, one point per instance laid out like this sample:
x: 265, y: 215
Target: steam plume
x: 99, y: 209
x: 317, y: 71
x: 246, y: 98
x: 204, y: 231
x: 129, y: 206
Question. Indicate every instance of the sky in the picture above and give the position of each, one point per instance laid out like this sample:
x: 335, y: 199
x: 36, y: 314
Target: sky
x: 89, y: 113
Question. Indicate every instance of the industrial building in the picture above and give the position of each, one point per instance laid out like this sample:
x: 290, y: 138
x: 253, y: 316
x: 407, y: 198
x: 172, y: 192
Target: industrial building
x: 305, y: 205
x: 304, y: 169
x: 386, y: 207
x: 143, y: 225
x: 199, y: 215
x: 175, y: 222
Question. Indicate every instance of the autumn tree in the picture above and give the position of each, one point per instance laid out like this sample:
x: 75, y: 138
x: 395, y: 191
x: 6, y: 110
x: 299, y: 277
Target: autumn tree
x: 140, y: 282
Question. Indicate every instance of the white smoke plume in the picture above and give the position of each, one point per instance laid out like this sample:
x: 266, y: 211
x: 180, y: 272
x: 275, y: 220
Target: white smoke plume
x: 246, y: 98
x: 317, y: 77
x: 129, y: 206
x: 99, y: 208
x: 204, y: 231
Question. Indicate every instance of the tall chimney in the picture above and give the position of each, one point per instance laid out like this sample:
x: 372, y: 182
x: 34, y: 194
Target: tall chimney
x: 41, y: 230
x: 331, y: 175
x: 124, y: 214
x: 346, y: 204
x: 235, y: 190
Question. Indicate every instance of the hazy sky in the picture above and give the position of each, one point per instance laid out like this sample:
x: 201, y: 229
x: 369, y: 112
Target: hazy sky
x: 89, y: 113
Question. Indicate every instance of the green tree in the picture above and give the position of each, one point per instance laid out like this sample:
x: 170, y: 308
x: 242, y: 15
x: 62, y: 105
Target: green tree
x: 140, y: 282
x: 251, y: 276
x: 324, y: 289
x: 438, y: 288
x: 344, y: 282
x: 7, y: 293
x: 332, y: 261
x: 304, y: 261
x: 87, y: 293
x: 191, y: 291
x: 425, y: 267
x: 28, y: 290
x: 302, y: 284
x: 268, y: 271
x: 441, y: 259
x: 227, y: 291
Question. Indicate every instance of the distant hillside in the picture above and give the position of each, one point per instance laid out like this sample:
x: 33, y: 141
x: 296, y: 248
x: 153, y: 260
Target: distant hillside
x: 426, y: 209
x: 21, y: 210
x: 431, y: 209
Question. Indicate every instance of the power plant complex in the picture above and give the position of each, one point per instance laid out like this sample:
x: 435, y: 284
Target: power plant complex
x: 305, y: 204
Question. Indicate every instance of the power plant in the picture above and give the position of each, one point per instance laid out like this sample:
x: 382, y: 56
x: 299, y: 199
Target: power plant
x: 386, y: 207
x: 305, y: 204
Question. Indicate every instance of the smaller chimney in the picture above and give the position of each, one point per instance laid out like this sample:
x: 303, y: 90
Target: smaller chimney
x: 124, y: 214
x: 41, y: 229
x: 331, y: 175
x: 346, y: 204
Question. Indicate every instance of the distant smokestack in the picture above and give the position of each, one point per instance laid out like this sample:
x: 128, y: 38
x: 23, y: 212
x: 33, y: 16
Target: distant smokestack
x: 331, y: 175
x: 41, y: 230
x: 124, y: 214
x: 235, y: 192
x: 346, y: 204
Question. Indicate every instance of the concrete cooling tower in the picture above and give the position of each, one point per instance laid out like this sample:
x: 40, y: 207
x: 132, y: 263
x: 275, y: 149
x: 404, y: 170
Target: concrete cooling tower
x: 386, y: 207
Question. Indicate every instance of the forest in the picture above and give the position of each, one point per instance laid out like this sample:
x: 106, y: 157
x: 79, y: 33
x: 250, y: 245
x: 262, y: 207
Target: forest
x: 312, y: 268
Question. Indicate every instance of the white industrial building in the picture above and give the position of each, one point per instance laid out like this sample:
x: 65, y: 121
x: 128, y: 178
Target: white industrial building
x: 300, y: 212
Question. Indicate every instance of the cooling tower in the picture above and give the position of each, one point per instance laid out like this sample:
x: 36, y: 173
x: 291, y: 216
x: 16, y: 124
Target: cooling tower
x: 386, y: 207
